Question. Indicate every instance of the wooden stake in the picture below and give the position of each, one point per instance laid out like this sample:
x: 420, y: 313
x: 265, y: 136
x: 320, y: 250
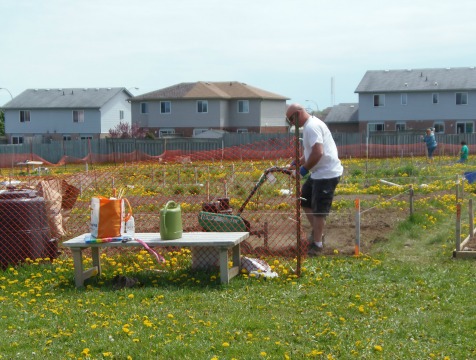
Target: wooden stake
x: 357, y: 227
x: 471, y: 219
x: 208, y: 191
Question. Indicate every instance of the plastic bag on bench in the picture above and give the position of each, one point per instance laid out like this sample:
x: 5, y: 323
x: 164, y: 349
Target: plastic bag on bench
x: 108, y: 216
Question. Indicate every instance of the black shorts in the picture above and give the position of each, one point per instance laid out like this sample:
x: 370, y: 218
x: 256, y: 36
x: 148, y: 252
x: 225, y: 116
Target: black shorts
x: 317, y: 195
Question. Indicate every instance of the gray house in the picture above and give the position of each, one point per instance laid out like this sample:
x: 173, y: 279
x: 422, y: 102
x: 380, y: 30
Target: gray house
x: 415, y: 99
x: 42, y: 115
x: 187, y: 109
x: 343, y: 118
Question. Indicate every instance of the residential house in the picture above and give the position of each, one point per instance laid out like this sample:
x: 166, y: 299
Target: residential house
x: 42, y: 115
x: 187, y: 109
x: 343, y: 118
x: 416, y: 99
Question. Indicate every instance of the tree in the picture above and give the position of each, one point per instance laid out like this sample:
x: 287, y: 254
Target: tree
x: 125, y: 131
x: 2, y: 123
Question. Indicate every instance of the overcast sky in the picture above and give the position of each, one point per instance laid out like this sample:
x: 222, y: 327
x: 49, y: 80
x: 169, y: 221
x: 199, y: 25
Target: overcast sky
x: 292, y: 48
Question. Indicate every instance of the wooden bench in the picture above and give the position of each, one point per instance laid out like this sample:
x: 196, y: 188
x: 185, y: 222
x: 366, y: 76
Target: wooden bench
x: 208, y: 245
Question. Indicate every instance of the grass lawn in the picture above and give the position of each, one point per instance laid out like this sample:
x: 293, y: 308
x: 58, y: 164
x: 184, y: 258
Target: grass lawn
x: 405, y: 299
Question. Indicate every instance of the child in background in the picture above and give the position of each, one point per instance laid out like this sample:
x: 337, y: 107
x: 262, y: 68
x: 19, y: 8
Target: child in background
x: 463, y: 154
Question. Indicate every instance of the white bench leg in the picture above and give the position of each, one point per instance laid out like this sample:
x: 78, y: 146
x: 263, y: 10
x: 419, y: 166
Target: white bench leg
x: 96, y: 259
x: 78, y: 266
x: 79, y: 274
x: 236, y: 255
x: 224, y: 274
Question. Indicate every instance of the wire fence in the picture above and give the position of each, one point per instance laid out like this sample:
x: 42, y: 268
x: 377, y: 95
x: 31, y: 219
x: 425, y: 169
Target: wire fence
x: 231, y: 147
x: 217, y: 193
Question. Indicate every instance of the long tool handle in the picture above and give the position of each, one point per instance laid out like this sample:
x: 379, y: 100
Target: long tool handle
x: 260, y: 182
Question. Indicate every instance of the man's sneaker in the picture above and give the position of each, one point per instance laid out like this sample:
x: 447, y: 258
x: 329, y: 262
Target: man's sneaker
x: 310, y: 238
x: 314, y: 250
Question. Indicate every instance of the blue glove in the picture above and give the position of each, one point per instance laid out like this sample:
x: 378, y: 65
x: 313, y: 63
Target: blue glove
x: 303, y: 171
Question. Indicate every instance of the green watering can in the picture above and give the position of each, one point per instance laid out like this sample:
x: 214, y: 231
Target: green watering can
x: 171, y: 221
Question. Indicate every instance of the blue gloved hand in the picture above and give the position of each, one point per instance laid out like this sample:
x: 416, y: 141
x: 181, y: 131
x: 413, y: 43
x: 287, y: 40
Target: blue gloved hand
x: 303, y: 171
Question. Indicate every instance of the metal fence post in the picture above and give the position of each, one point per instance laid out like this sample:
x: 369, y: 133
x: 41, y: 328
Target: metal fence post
x: 458, y: 227
x: 298, y: 197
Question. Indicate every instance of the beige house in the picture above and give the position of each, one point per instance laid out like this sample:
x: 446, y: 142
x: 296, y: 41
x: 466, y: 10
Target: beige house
x: 188, y: 109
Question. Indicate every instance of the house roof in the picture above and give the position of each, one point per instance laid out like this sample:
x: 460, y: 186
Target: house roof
x: 64, y: 98
x: 343, y: 113
x: 210, y: 90
x: 461, y: 78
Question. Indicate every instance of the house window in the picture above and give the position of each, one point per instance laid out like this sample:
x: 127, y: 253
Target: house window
x: 78, y: 116
x: 461, y: 98
x: 435, y: 98
x: 144, y: 108
x: 199, y: 131
x: 400, y: 126
x: 66, y: 137
x: 379, y: 100
x: 121, y: 114
x: 202, y: 106
x: 243, y: 106
x: 374, y: 127
x: 439, y: 128
x: 163, y: 132
x: 404, y: 99
x: 464, y: 127
x: 17, y: 140
x: 242, y: 131
x: 24, y: 115
x: 86, y: 137
x: 165, y: 107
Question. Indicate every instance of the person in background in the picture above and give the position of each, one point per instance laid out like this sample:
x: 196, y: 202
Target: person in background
x: 430, y: 141
x: 463, y: 154
x: 321, y: 160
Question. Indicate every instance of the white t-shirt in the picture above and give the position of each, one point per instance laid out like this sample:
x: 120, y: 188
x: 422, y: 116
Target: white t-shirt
x: 329, y: 166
